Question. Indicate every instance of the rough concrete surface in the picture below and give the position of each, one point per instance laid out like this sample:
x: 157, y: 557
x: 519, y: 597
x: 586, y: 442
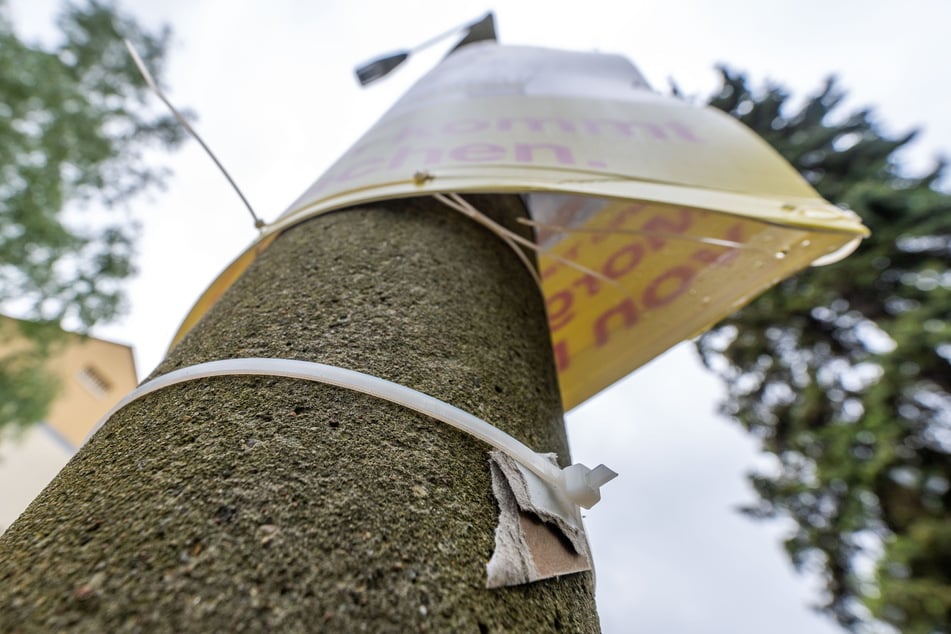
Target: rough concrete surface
x: 246, y: 504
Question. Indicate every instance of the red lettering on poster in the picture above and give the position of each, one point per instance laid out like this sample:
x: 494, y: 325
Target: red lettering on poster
x: 477, y: 153
x: 626, y: 311
x: 624, y: 260
x: 618, y: 220
x: 668, y: 286
x: 589, y: 283
x: 559, y: 309
x: 525, y: 152
x: 672, y: 223
x: 562, y: 358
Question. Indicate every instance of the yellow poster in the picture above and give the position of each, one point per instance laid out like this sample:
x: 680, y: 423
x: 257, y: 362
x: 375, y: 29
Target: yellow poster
x: 654, y: 218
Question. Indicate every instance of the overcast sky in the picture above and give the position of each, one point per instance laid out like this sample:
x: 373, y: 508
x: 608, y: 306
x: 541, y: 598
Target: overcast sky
x: 272, y: 85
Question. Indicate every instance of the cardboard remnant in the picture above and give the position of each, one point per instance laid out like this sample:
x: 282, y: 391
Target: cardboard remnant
x: 539, y: 535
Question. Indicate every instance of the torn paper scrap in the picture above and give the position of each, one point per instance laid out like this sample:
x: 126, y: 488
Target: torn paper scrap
x: 540, y: 534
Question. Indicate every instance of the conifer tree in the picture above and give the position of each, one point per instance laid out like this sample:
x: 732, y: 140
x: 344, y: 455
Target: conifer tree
x: 843, y: 371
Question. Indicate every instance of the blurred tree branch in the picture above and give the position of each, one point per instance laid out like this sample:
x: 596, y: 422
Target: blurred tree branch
x: 74, y: 133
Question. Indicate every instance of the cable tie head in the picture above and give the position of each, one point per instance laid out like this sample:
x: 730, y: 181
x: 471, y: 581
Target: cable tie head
x: 583, y: 485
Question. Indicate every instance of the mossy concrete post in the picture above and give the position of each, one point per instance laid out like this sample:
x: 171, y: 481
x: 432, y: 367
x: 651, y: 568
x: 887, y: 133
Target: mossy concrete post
x: 258, y: 503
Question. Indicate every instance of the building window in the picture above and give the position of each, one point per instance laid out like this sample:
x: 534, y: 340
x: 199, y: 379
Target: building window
x: 93, y: 380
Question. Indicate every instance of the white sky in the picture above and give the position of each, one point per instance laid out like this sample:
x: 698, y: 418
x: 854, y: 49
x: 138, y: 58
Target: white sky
x: 272, y: 85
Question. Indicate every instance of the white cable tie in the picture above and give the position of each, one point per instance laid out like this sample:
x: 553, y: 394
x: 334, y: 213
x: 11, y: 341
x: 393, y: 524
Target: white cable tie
x: 580, y: 484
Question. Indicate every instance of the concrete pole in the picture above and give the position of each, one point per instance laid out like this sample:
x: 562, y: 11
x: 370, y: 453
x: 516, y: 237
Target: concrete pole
x: 264, y: 504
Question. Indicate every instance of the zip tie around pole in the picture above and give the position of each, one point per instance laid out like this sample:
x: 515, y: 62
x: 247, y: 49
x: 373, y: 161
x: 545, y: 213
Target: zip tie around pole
x: 577, y: 482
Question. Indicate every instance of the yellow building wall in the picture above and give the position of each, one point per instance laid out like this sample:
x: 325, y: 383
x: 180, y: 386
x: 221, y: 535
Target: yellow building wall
x: 94, y: 374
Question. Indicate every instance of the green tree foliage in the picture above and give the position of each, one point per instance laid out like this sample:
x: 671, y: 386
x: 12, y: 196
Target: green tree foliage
x: 843, y: 371
x: 74, y: 133
x: 26, y: 387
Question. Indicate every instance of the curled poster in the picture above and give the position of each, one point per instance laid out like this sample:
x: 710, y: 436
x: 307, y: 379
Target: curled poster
x: 654, y: 218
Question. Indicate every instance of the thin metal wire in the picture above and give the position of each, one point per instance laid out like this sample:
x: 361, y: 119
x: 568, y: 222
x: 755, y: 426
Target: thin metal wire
x: 258, y: 223
x: 444, y: 35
